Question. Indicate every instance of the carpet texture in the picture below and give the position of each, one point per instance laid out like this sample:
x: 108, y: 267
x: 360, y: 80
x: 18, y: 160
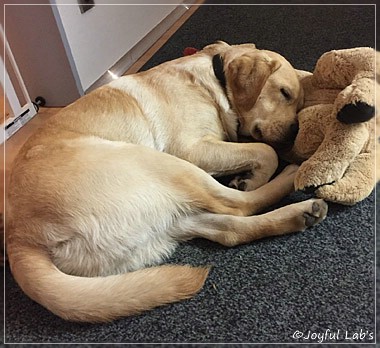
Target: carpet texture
x: 273, y: 290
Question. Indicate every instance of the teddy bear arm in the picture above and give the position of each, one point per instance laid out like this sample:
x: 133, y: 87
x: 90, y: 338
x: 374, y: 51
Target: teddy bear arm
x: 338, y: 149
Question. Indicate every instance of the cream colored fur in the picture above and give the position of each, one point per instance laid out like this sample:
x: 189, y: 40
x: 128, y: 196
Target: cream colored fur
x: 116, y: 180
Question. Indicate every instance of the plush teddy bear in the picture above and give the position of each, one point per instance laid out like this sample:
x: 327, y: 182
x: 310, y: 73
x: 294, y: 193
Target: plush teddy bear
x: 335, y: 144
x: 377, y: 85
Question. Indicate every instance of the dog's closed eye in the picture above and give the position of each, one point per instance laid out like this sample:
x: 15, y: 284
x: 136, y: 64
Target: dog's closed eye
x: 286, y: 94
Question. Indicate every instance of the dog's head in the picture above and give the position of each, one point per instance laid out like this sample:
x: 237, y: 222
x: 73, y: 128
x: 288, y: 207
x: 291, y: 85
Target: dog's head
x: 265, y: 91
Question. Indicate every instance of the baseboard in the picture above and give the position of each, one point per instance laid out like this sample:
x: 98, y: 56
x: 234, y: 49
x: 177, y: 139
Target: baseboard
x: 141, y: 47
x: 12, y: 125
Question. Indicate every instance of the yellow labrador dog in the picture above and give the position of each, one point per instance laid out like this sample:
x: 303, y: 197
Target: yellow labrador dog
x: 117, y: 179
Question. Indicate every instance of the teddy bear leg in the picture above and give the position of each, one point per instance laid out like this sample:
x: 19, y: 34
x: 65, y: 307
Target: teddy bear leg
x: 356, y: 184
x: 337, y: 151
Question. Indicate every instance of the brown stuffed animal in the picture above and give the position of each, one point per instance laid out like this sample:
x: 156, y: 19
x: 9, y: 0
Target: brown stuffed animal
x: 377, y: 85
x: 336, y: 138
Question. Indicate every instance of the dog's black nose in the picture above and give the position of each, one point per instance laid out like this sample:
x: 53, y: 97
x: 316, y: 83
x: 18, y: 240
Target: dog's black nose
x: 293, y: 131
x: 257, y: 133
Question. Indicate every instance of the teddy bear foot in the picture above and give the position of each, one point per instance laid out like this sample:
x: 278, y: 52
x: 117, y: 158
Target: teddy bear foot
x: 339, y: 193
x: 317, y: 172
x: 312, y: 189
x: 356, y: 112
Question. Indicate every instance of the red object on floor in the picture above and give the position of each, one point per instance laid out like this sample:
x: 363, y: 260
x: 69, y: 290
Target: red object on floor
x: 188, y: 51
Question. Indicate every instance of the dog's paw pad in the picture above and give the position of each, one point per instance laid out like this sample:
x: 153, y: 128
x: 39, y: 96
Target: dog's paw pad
x: 241, y: 182
x: 316, y: 212
x: 242, y: 186
x: 234, y: 183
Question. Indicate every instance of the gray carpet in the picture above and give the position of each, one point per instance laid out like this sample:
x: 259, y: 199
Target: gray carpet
x: 322, y: 279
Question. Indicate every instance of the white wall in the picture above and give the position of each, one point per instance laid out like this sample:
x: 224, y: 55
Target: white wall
x: 98, y: 38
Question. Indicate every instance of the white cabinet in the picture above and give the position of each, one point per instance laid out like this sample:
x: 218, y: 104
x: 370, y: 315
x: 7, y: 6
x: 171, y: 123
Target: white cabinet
x: 63, y: 53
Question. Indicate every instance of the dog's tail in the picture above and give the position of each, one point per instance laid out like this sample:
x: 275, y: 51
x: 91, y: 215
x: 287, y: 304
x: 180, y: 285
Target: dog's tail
x: 100, y: 299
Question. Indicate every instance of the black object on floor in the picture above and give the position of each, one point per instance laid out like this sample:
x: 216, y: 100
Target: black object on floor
x: 274, y: 290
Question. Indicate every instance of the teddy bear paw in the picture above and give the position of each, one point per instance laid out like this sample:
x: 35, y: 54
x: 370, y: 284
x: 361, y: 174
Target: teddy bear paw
x: 345, y: 191
x: 356, y: 112
x: 330, y: 193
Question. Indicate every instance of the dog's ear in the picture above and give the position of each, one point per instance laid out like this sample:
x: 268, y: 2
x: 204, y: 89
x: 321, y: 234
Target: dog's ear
x: 247, y: 75
x: 246, y: 45
x: 216, y: 48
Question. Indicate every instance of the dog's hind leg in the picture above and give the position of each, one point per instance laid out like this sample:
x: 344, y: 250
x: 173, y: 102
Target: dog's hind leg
x: 234, y: 230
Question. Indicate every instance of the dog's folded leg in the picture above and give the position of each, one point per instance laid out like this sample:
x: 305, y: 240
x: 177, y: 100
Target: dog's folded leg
x: 234, y: 230
x: 223, y: 158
